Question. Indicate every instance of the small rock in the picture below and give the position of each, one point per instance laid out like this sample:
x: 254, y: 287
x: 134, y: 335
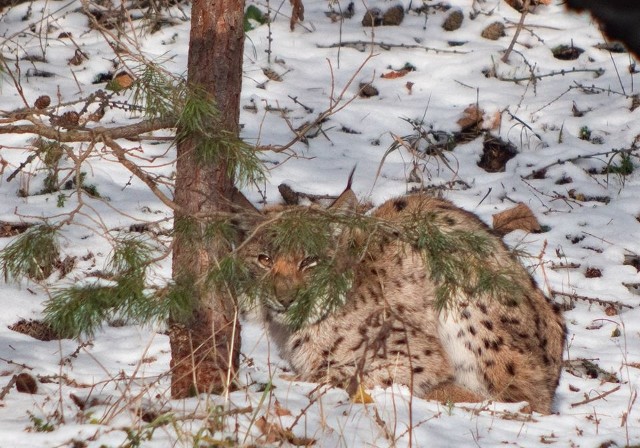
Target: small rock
x: 367, y: 90
x: 593, y: 273
x: 494, y: 31
x: 393, y: 16
x: 26, y: 383
x: 373, y: 17
x: 453, y: 20
x: 77, y: 58
x: 567, y: 52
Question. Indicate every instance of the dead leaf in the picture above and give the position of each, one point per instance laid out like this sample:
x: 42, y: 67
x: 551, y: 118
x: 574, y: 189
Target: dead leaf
x: 274, y: 433
x: 573, y: 194
x: 272, y: 74
x: 124, y: 80
x: 361, y: 396
x: 520, y: 217
x: 409, y: 86
x: 393, y: 74
x: 26, y: 383
x: 279, y: 410
x: 471, y: 117
x: 496, y: 121
x: 297, y: 13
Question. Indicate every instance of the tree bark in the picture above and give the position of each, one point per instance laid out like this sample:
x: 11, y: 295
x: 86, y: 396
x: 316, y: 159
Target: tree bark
x: 205, y: 351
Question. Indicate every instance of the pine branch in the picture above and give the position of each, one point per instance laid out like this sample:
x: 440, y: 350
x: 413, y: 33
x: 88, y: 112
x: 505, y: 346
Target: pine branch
x: 33, y: 254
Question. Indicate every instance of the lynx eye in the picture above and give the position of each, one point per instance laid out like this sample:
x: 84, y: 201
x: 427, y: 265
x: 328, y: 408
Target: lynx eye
x: 308, y: 263
x: 265, y: 261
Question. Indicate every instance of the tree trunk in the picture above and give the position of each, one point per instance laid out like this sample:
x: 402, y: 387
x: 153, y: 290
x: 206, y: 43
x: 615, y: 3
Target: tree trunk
x: 205, y: 351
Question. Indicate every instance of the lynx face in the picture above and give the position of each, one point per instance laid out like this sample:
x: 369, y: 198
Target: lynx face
x: 296, y: 289
x: 284, y: 277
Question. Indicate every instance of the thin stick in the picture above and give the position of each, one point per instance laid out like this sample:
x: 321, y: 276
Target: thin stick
x: 597, y: 397
x: 591, y: 299
x: 525, y: 11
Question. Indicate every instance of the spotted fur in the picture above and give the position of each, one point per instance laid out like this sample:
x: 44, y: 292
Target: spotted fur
x: 390, y: 331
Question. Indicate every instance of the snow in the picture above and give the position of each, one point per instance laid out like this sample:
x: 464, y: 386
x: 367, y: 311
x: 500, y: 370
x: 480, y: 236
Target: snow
x: 125, y: 369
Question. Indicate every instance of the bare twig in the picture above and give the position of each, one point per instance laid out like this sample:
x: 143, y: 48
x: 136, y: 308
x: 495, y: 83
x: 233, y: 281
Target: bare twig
x: 361, y: 45
x: 336, y: 104
x: 612, y: 152
x: 598, y: 71
x: 525, y: 10
x: 603, y: 302
x: 597, y: 397
x: 139, y: 173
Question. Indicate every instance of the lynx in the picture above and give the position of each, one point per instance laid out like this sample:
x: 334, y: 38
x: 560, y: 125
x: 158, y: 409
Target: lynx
x: 388, y: 326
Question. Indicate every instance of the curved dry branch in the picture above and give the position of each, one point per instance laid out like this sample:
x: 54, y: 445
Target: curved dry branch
x: 120, y: 154
x: 83, y: 134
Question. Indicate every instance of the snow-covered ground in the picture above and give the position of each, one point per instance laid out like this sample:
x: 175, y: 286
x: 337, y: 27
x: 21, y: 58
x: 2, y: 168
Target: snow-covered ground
x: 564, y: 118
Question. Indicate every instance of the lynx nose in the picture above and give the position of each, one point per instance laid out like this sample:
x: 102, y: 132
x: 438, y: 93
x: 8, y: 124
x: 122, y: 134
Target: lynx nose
x: 286, y: 280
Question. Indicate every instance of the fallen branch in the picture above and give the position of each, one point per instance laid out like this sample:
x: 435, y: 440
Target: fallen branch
x: 361, y: 45
x: 591, y: 299
x: 595, y: 89
x: 612, y: 152
x: 598, y: 71
x: 6, y: 389
x: 597, y: 397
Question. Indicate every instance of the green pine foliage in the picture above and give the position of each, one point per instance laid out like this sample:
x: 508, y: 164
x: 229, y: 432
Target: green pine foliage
x: 457, y: 260
x: 324, y: 294
x: 177, y: 302
x: 33, y: 254
x: 300, y: 231
x: 198, y: 121
x: 232, y: 274
x: 131, y: 255
x: 82, y: 309
x: 158, y: 94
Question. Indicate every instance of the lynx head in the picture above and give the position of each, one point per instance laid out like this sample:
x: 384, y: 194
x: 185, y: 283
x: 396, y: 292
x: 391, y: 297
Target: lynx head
x: 297, y: 260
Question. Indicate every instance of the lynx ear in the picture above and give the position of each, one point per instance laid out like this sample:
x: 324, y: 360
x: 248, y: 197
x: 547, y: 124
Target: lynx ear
x: 241, y: 204
x: 246, y: 216
x: 347, y: 202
